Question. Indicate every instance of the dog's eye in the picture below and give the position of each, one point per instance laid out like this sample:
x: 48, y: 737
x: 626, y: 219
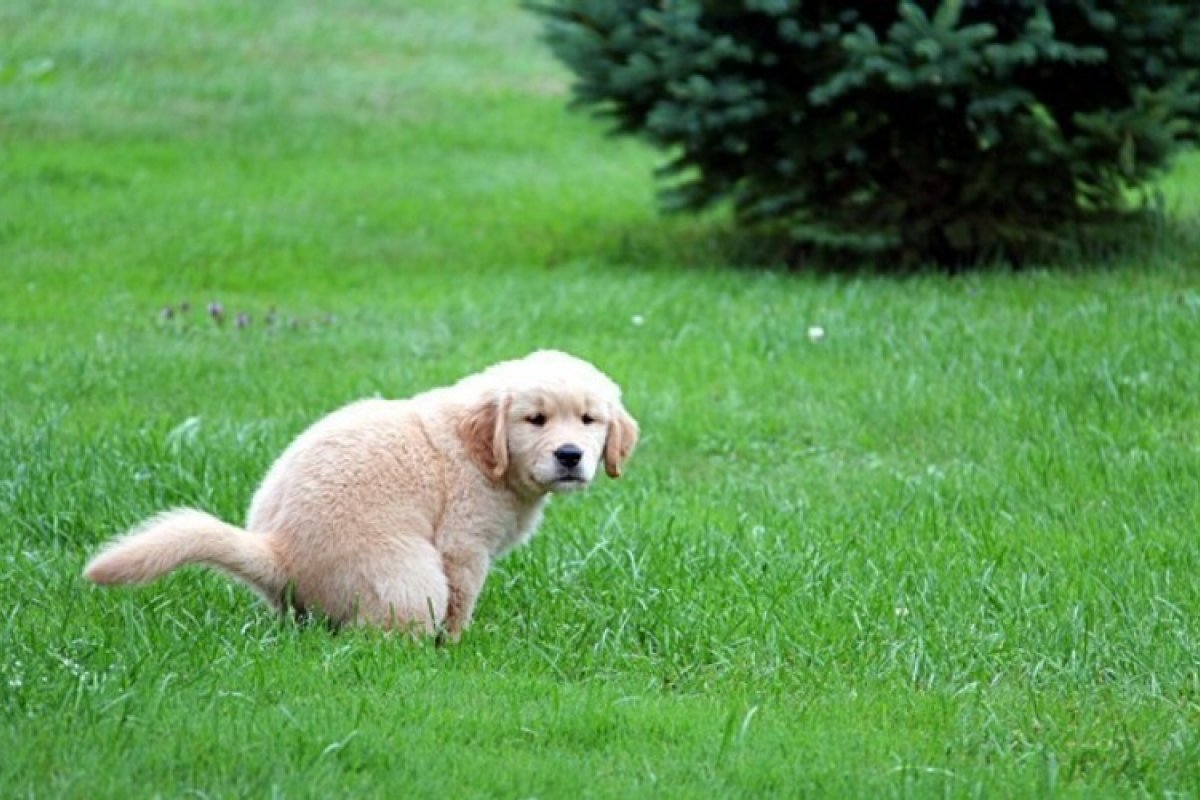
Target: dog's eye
x: 537, y: 420
x: 588, y: 419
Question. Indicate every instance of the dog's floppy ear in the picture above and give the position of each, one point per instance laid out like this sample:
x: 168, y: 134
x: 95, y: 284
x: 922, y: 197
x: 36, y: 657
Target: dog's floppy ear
x: 484, y: 430
x: 622, y: 437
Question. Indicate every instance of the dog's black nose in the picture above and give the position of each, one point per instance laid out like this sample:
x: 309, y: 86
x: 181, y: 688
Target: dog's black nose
x: 568, y: 455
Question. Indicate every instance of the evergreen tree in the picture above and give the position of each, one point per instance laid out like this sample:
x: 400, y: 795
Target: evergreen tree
x: 943, y: 129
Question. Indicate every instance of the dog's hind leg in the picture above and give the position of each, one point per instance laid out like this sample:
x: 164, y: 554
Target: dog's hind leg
x: 406, y: 589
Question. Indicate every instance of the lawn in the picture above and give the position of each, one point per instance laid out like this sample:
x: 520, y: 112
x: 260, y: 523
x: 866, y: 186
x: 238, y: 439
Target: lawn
x: 950, y: 548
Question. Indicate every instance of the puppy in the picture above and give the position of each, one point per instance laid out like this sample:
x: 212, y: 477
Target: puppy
x: 389, y: 512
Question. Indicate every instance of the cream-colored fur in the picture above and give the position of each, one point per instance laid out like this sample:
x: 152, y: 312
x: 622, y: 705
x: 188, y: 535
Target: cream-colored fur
x: 389, y: 512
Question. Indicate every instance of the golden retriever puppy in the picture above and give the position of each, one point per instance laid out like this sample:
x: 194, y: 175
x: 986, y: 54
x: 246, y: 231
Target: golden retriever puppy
x: 389, y: 512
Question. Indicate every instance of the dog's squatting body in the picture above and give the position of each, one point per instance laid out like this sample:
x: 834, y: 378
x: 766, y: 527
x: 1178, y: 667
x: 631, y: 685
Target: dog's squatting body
x: 389, y: 512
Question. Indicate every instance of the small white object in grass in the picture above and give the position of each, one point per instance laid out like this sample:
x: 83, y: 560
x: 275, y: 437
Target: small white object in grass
x: 638, y: 319
x: 815, y: 333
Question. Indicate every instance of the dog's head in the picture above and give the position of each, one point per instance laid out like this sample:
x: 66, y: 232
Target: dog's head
x: 545, y: 422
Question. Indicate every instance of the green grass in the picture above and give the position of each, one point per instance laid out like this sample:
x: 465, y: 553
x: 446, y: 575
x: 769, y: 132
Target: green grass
x: 949, y: 549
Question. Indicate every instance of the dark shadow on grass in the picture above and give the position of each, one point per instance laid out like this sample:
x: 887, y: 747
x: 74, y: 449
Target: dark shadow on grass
x: 715, y: 242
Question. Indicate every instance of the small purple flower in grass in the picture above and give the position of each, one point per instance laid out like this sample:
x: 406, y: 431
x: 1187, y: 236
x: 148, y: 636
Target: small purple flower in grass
x: 216, y: 311
x: 167, y: 313
x: 243, y: 320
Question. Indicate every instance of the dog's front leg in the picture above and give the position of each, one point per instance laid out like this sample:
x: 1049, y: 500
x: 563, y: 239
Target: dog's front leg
x: 466, y: 567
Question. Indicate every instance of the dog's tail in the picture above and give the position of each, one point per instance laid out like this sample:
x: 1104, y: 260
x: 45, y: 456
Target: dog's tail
x: 187, y: 536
